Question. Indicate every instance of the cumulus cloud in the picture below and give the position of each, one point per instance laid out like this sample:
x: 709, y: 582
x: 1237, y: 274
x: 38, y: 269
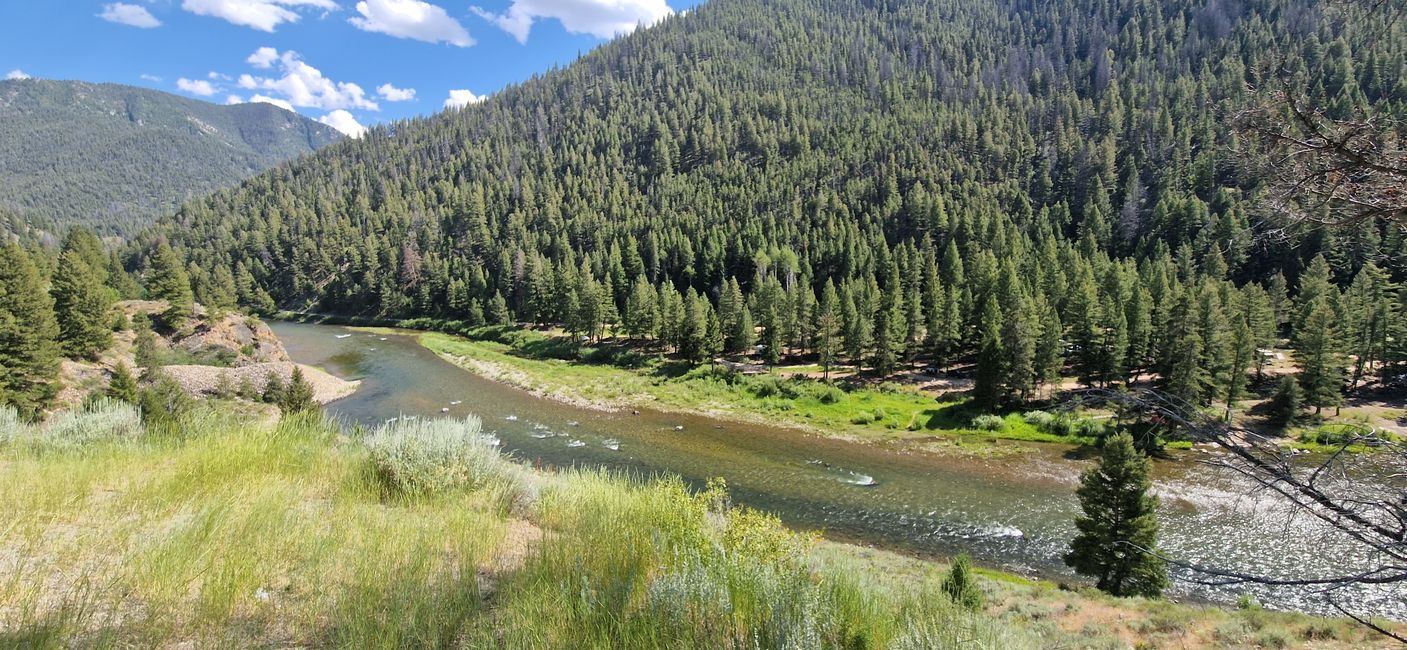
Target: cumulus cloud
x: 303, y: 85
x: 462, y: 98
x: 131, y: 15
x: 16, y: 74
x: 344, y: 122
x: 150, y: 77
x: 412, y: 19
x: 263, y: 15
x: 196, y: 86
x: 600, y: 18
x: 231, y: 100
x: 263, y: 58
x: 393, y: 94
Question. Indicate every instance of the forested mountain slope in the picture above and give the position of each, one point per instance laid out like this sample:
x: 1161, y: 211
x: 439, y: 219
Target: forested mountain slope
x: 117, y: 157
x: 896, y: 179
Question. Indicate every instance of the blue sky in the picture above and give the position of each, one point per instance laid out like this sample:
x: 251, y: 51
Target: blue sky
x: 347, y: 63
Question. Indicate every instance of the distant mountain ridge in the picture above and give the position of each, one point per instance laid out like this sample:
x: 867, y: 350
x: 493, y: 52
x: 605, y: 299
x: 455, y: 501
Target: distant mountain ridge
x: 117, y: 157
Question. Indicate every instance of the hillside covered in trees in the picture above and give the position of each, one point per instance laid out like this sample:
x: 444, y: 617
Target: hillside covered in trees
x: 118, y: 157
x: 1044, y: 188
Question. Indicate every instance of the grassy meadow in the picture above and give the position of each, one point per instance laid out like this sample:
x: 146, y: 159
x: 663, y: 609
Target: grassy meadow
x: 615, y: 378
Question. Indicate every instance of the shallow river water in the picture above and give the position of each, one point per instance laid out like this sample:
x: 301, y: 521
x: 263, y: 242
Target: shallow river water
x: 1014, y: 512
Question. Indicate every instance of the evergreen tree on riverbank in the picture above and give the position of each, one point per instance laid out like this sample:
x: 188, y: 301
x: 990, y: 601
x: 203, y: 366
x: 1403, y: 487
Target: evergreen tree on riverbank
x: 1118, y: 532
x: 29, y: 347
x: 82, y: 305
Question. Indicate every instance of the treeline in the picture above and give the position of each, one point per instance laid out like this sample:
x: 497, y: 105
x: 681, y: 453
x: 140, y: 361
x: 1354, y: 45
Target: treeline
x: 58, y: 304
x: 1037, y: 187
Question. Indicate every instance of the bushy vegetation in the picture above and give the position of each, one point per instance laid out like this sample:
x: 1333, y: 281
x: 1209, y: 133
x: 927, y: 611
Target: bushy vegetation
x: 988, y: 422
x: 415, y: 457
x: 98, y: 421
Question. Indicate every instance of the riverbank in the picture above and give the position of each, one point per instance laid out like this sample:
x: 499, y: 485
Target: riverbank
x: 246, y: 533
x: 620, y: 380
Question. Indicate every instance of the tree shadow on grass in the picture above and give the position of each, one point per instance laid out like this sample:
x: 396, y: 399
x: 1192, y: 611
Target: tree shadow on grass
x: 948, y: 416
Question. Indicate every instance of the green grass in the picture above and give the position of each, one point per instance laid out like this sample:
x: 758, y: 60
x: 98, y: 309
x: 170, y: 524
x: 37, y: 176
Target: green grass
x: 230, y: 532
x: 535, y: 362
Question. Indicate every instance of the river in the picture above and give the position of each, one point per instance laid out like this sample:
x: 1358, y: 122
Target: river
x: 1013, y: 512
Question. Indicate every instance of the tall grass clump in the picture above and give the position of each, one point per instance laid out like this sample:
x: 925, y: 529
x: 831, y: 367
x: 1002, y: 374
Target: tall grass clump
x: 432, y: 456
x: 655, y: 566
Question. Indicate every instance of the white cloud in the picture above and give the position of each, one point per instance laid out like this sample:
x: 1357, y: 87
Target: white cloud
x: 412, y: 19
x: 150, y: 77
x: 462, y: 98
x: 233, y: 99
x: 131, y: 15
x: 263, y: 15
x: 16, y: 74
x: 393, y: 94
x: 196, y: 86
x: 263, y: 58
x: 344, y: 122
x: 281, y: 103
x: 303, y: 85
x: 600, y: 18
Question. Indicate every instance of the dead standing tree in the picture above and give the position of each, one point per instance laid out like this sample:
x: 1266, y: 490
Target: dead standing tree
x: 1335, y: 489
x: 1328, y: 169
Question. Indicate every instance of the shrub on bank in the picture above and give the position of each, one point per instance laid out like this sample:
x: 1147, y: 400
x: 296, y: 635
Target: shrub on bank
x: 429, y: 456
x: 989, y: 422
x: 100, y: 420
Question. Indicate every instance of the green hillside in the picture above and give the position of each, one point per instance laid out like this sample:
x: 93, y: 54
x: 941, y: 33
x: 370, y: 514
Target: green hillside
x: 1045, y: 188
x: 117, y: 157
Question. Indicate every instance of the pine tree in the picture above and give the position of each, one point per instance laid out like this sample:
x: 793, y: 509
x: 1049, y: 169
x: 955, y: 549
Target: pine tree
x: 959, y: 586
x: 987, y: 387
x: 1050, y: 347
x: 81, y: 304
x: 730, y: 316
x: 641, y: 311
x: 1118, y: 532
x: 163, y: 402
x: 1317, y: 353
x: 1019, y: 336
x: 693, y: 345
x: 1370, y: 309
x: 298, y: 396
x: 498, y: 310
x: 145, y: 352
x: 1285, y: 402
x: 28, y: 336
x: 828, y: 329
x: 123, y: 385
x: 167, y: 280
x: 713, y: 333
x: 273, y: 388
x: 1182, y: 372
x: 1242, y: 350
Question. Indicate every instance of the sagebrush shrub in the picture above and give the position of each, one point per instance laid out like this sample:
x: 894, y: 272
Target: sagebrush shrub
x: 102, y: 420
x: 435, y: 455
x: 989, y: 422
